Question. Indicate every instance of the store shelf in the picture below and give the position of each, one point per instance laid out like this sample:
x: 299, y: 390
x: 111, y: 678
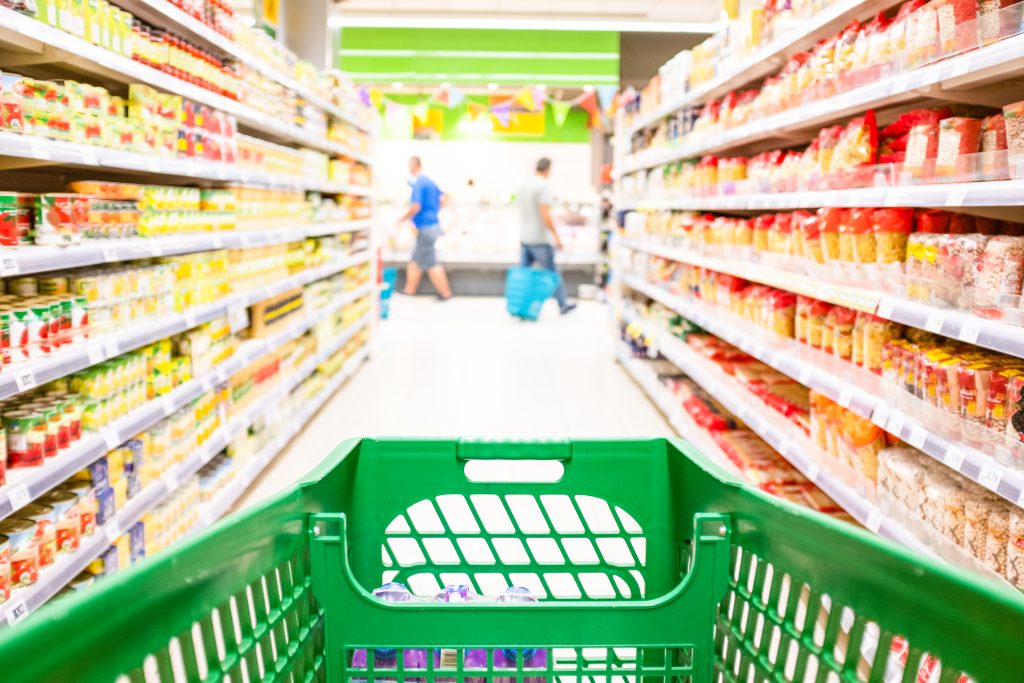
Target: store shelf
x: 21, y: 34
x: 25, y: 485
x: 965, y: 327
x: 847, y: 385
x: 768, y: 58
x: 1001, y: 60
x: 45, y: 152
x: 226, y: 499
x: 29, y: 374
x: 784, y: 437
x: 26, y: 600
x: 947, y: 195
x: 38, y: 259
x: 166, y: 16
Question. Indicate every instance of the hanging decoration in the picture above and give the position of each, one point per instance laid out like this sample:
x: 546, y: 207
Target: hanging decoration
x: 525, y: 98
x: 364, y: 96
x: 560, y: 111
x: 455, y: 97
x: 503, y: 112
x: 606, y: 96
x: 475, y: 109
x: 376, y: 97
x: 589, y: 104
x: 420, y: 110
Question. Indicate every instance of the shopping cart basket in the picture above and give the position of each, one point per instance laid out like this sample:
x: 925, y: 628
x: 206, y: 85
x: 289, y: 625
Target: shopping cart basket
x: 651, y: 564
x: 389, y: 277
x: 526, y: 290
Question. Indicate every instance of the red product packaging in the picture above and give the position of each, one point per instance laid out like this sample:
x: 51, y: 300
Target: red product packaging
x: 958, y: 30
x: 892, y: 227
x: 933, y: 221
x: 961, y: 224
x: 922, y: 146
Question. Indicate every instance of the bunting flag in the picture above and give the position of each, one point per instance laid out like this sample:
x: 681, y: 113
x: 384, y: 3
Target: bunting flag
x: 391, y: 109
x: 475, y: 109
x: 589, y: 103
x: 525, y: 98
x: 560, y: 111
x: 455, y: 97
x: 364, y: 96
x: 376, y: 97
x: 441, y: 96
x: 540, y: 95
x: 503, y: 112
x: 421, y: 110
x: 606, y: 95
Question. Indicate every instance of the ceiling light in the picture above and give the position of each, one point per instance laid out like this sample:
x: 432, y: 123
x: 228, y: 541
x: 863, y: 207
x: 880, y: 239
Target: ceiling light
x: 347, y: 20
x: 397, y: 85
x: 492, y: 86
x: 588, y: 88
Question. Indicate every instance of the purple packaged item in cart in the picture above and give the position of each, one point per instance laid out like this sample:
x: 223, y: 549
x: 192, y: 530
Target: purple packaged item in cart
x: 533, y: 658
x: 387, y: 658
x: 448, y: 658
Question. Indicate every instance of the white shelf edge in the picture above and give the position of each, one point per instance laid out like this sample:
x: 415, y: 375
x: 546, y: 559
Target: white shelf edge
x: 68, y: 566
x: 40, y: 259
x: 969, y: 462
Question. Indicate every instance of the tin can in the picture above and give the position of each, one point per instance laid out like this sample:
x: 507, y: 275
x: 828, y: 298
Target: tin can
x: 25, y: 437
x: 65, y: 506
x: 72, y: 419
x: 45, y: 520
x: 52, y: 284
x: 51, y: 418
x: 24, y: 286
x: 22, y: 550
x: 5, y: 569
x: 9, y: 219
x: 16, y: 319
x: 39, y: 330
x: 86, y: 504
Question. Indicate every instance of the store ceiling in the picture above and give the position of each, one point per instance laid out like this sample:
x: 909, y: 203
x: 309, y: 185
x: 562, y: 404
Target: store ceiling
x: 590, y: 10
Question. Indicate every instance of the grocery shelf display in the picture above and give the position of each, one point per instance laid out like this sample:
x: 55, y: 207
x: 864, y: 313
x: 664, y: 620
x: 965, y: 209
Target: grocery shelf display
x: 188, y: 274
x: 846, y: 218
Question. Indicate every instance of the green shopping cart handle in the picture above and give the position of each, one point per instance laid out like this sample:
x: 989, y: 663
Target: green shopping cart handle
x: 483, y: 449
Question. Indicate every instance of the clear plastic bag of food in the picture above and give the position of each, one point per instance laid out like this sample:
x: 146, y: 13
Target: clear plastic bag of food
x: 891, y: 227
x: 1000, y: 273
x: 959, y: 140
x: 957, y: 260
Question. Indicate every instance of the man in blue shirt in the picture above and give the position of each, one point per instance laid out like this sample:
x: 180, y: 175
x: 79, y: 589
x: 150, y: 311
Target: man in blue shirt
x: 425, y: 203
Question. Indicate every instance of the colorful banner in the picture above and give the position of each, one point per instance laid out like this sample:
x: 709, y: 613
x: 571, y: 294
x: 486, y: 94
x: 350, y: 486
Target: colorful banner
x: 525, y: 98
x: 560, y: 111
x: 502, y: 112
x: 606, y: 95
x: 475, y: 109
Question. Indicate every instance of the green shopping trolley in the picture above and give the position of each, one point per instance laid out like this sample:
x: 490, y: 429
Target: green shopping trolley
x: 649, y: 562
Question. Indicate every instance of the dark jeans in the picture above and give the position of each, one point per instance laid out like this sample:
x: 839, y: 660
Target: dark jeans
x: 544, y: 256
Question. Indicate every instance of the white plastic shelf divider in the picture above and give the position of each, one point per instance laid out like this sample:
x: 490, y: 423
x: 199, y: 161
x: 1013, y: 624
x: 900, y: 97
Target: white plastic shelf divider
x: 59, y: 152
x: 25, y: 601
x: 942, y: 195
x: 991, y: 334
x: 1004, y: 59
x: 38, y: 259
x: 95, y: 59
x: 165, y: 15
x: 25, y: 485
x: 227, y: 498
x: 770, y: 57
x: 864, y: 396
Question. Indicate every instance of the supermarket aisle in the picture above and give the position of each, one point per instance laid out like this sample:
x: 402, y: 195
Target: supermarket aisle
x: 464, y: 368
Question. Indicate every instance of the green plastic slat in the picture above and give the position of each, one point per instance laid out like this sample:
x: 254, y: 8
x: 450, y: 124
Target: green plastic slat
x: 310, y: 557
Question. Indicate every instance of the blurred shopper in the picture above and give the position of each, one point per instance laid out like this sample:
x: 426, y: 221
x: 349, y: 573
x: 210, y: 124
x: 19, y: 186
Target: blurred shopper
x: 424, y: 204
x: 537, y: 235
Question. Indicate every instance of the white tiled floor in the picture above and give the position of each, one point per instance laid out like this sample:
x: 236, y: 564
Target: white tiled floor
x: 465, y: 368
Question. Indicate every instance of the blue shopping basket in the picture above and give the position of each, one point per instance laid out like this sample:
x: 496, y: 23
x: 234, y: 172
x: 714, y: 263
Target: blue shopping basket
x: 389, y: 277
x: 526, y: 290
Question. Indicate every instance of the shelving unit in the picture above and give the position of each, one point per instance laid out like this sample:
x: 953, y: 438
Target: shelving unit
x: 36, y: 49
x: 52, y: 579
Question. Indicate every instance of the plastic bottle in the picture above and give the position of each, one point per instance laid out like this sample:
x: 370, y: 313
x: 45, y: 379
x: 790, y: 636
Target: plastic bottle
x: 533, y: 658
x: 387, y: 658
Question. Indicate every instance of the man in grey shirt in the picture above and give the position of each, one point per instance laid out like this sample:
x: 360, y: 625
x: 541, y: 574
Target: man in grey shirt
x: 538, y: 236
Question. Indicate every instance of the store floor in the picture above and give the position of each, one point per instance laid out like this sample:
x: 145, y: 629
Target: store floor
x: 465, y: 368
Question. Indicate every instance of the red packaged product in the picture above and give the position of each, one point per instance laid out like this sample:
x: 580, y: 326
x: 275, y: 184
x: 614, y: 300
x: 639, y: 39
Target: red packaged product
x: 922, y: 146
x: 892, y: 227
x: 829, y: 220
x: 958, y: 30
x: 958, y: 136
x: 961, y: 224
x: 933, y: 221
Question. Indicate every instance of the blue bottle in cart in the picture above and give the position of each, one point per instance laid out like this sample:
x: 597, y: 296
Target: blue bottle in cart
x: 533, y: 657
x: 448, y: 658
x: 387, y: 658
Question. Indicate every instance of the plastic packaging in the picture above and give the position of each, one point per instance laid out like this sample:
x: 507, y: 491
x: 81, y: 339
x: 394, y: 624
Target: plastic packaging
x: 386, y: 658
x: 891, y: 228
x: 958, y: 137
x: 1000, y: 272
x: 830, y: 220
x: 1014, y: 117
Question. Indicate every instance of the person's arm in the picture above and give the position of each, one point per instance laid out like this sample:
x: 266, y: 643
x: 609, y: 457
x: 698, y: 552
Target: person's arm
x: 415, y: 203
x: 544, y: 207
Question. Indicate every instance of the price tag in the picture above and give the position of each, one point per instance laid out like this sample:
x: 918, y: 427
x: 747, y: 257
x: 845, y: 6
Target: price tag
x: 845, y: 397
x: 899, y: 84
x: 956, y: 197
x: 238, y: 318
x: 954, y: 458
x: 19, y: 497
x: 970, y: 331
x: 918, y: 435
x: 95, y: 354
x: 111, y: 348
x: 24, y: 379
x: 959, y: 66
x: 895, y: 424
x: 112, y: 530
x: 880, y: 416
x: 893, y: 198
x: 813, y: 471
x: 190, y: 319
x: 885, y: 307
x: 111, y: 438
x: 991, y: 475
x: 243, y: 239
x: 9, y: 266
x: 874, y: 521
x: 934, y: 321
x: 16, y: 611
x: 39, y: 150
x: 167, y: 406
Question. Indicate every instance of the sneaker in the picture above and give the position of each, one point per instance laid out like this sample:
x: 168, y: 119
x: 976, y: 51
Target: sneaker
x: 569, y: 308
x: 445, y: 298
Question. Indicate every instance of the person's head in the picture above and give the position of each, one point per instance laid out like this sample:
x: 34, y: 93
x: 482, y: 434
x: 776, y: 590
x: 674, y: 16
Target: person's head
x: 544, y: 166
x: 415, y: 165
